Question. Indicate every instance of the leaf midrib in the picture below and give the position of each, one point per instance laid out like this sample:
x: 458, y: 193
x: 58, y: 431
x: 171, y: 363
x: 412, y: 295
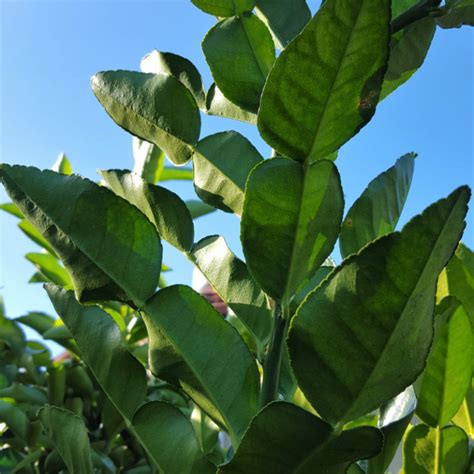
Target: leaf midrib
x: 362, y: 389
x: 336, y: 77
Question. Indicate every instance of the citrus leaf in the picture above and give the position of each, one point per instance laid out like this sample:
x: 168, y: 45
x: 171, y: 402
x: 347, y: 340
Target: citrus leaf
x: 364, y: 334
x: 178, y: 437
x: 345, y: 46
x: 98, y: 337
x: 291, y: 220
x: 62, y: 165
x: 180, y: 174
x: 51, y: 268
x: 222, y: 163
x: 427, y: 450
x: 204, y: 354
x: 181, y: 68
x: 149, y: 160
x: 198, y: 208
x: 377, y: 210
x: 69, y: 436
x: 163, y: 208
x: 109, y: 248
x: 285, y: 18
x: 448, y: 370
x: 224, y: 8
x: 218, y: 104
x: 284, y: 439
x: 154, y: 107
x: 456, y: 13
x: 240, y: 53
x: 230, y: 278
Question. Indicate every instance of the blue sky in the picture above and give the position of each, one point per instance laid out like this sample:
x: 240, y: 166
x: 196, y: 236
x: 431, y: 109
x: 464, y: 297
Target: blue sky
x: 49, y: 50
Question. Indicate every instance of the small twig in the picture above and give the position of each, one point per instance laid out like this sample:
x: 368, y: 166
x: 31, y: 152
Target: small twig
x: 414, y: 14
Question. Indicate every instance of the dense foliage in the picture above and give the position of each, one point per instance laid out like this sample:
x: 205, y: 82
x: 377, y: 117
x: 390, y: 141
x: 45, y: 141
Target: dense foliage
x: 320, y: 367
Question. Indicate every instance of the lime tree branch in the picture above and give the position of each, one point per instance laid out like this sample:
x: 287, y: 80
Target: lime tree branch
x: 414, y: 14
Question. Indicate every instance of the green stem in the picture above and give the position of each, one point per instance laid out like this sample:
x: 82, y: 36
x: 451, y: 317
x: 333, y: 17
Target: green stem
x: 415, y: 13
x: 272, y: 364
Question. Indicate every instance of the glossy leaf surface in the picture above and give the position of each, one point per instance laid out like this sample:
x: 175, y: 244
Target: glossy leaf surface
x: 181, y: 68
x: 69, y: 436
x: 171, y: 439
x: 218, y: 104
x: 429, y: 450
x: 377, y: 210
x: 231, y: 279
x: 191, y: 345
x: 240, y: 53
x: 222, y: 163
x: 464, y: 418
x: 285, y: 18
x: 448, y: 370
x: 284, y: 439
x: 345, y: 46
x: 368, y: 327
x: 154, y: 107
x: 290, y: 222
x: 163, y: 208
x: 118, y: 373
x: 224, y: 8
x: 110, y: 248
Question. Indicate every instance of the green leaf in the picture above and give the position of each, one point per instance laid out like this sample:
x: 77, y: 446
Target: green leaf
x: 56, y: 384
x: 14, y: 418
x: 321, y: 273
x: 464, y: 418
x: 40, y: 322
x: 224, y: 8
x: 345, y: 46
x: 181, y: 68
x: 164, y: 208
x: 62, y: 165
x: 285, y: 18
x: 69, y: 436
x: 432, y: 450
x: 231, y: 279
x: 204, y: 354
x: 180, y: 174
x: 364, y: 334
x: 393, y: 421
x: 175, y: 436
x: 24, y: 394
x: 10, y: 208
x: 408, y: 52
x: 217, y: 104
x: 109, y: 248
x: 11, y: 333
x: 240, y: 53
x: 198, y: 208
x: 149, y: 160
x: 377, y: 210
x: 118, y: 373
x: 291, y: 220
x: 456, y: 13
x: 51, y: 268
x: 154, y: 107
x: 33, y: 234
x: 457, y: 280
x: 285, y: 439
x: 222, y: 163
x: 448, y: 370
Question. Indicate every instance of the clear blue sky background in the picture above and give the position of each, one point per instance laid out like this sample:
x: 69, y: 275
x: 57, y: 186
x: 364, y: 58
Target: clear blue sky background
x: 49, y: 50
